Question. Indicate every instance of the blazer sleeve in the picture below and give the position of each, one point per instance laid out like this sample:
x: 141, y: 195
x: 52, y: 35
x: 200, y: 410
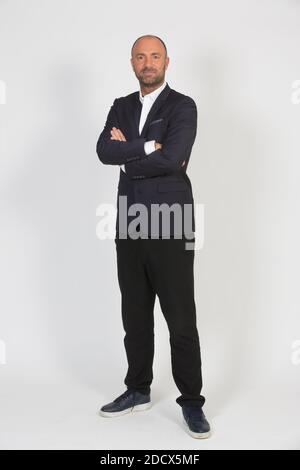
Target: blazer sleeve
x: 116, y: 152
x: 176, y: 146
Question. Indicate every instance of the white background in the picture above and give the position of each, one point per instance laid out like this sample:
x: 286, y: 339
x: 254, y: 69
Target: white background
x: 63, y: 63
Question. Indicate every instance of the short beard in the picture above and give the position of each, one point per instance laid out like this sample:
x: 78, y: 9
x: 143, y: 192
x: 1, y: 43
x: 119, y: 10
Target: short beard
x: 157, y: 81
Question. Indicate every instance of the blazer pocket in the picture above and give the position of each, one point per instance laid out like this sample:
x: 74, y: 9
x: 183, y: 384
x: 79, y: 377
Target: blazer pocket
x: 155, y: 121
x: 172, y: 186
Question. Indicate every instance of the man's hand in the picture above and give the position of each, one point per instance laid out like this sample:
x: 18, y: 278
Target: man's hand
x: 117, y: 134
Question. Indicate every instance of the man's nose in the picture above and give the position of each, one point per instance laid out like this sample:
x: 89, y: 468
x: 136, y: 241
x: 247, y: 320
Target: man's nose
x: 148, y: 63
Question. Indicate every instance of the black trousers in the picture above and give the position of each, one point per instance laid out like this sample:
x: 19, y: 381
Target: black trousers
x: 162, y: 267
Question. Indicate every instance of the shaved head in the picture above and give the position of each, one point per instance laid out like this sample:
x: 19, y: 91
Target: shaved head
x: 149, y: 36
x: 149, y: 61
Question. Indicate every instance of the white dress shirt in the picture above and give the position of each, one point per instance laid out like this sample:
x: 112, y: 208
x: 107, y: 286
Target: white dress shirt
x: 147, y: 102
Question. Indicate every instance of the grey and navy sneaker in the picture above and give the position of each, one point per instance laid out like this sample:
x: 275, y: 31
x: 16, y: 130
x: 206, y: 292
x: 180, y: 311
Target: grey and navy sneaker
x: 129, y: 401
x: 195, y: 420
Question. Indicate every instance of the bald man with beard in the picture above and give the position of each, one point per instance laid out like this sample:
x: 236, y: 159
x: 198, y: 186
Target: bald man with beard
x: 149, y: 134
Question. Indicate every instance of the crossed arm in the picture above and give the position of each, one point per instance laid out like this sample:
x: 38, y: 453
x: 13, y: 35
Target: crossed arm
x: 113, y: 148
x: 117, y: 151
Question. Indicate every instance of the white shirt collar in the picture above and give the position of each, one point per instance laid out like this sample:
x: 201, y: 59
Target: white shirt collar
x: 154, y: 94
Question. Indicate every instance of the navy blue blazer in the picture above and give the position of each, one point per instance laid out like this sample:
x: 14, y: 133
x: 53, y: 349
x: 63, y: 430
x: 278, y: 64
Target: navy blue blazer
x: 159, y: 177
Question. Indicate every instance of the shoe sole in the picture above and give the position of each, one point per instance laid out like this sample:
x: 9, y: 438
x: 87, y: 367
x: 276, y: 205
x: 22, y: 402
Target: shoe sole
x: 197, y: 435
x: 115, y: 414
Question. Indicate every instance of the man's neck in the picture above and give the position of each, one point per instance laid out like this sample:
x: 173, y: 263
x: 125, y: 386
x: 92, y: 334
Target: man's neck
x: 147, y: 90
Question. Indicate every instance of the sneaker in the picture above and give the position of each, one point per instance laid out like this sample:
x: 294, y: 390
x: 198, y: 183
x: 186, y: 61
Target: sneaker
x: 129, y: 401
x: 194, y: 419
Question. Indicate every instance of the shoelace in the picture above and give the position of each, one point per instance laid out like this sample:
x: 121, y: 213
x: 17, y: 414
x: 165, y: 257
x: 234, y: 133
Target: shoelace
x: 123, y: 396
x: 195, y: 415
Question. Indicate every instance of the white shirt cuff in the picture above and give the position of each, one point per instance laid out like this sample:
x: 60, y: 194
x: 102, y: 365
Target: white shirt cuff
x: 149, y: 146
x: 123, y: 168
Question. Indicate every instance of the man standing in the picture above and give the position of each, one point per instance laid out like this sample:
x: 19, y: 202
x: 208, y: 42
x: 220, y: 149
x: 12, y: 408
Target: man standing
x: 150, y: 134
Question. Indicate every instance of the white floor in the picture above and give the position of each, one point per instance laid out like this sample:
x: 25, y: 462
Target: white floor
x: 38, y: 414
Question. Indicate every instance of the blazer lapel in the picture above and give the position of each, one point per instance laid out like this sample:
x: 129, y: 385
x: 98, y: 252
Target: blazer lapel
x: 137, y: 109
x: 158, y: 103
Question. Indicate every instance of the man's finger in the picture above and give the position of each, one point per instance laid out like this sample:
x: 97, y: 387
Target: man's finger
x: 118, y: 134
x: 121, y: 135
x: 115, y: 135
